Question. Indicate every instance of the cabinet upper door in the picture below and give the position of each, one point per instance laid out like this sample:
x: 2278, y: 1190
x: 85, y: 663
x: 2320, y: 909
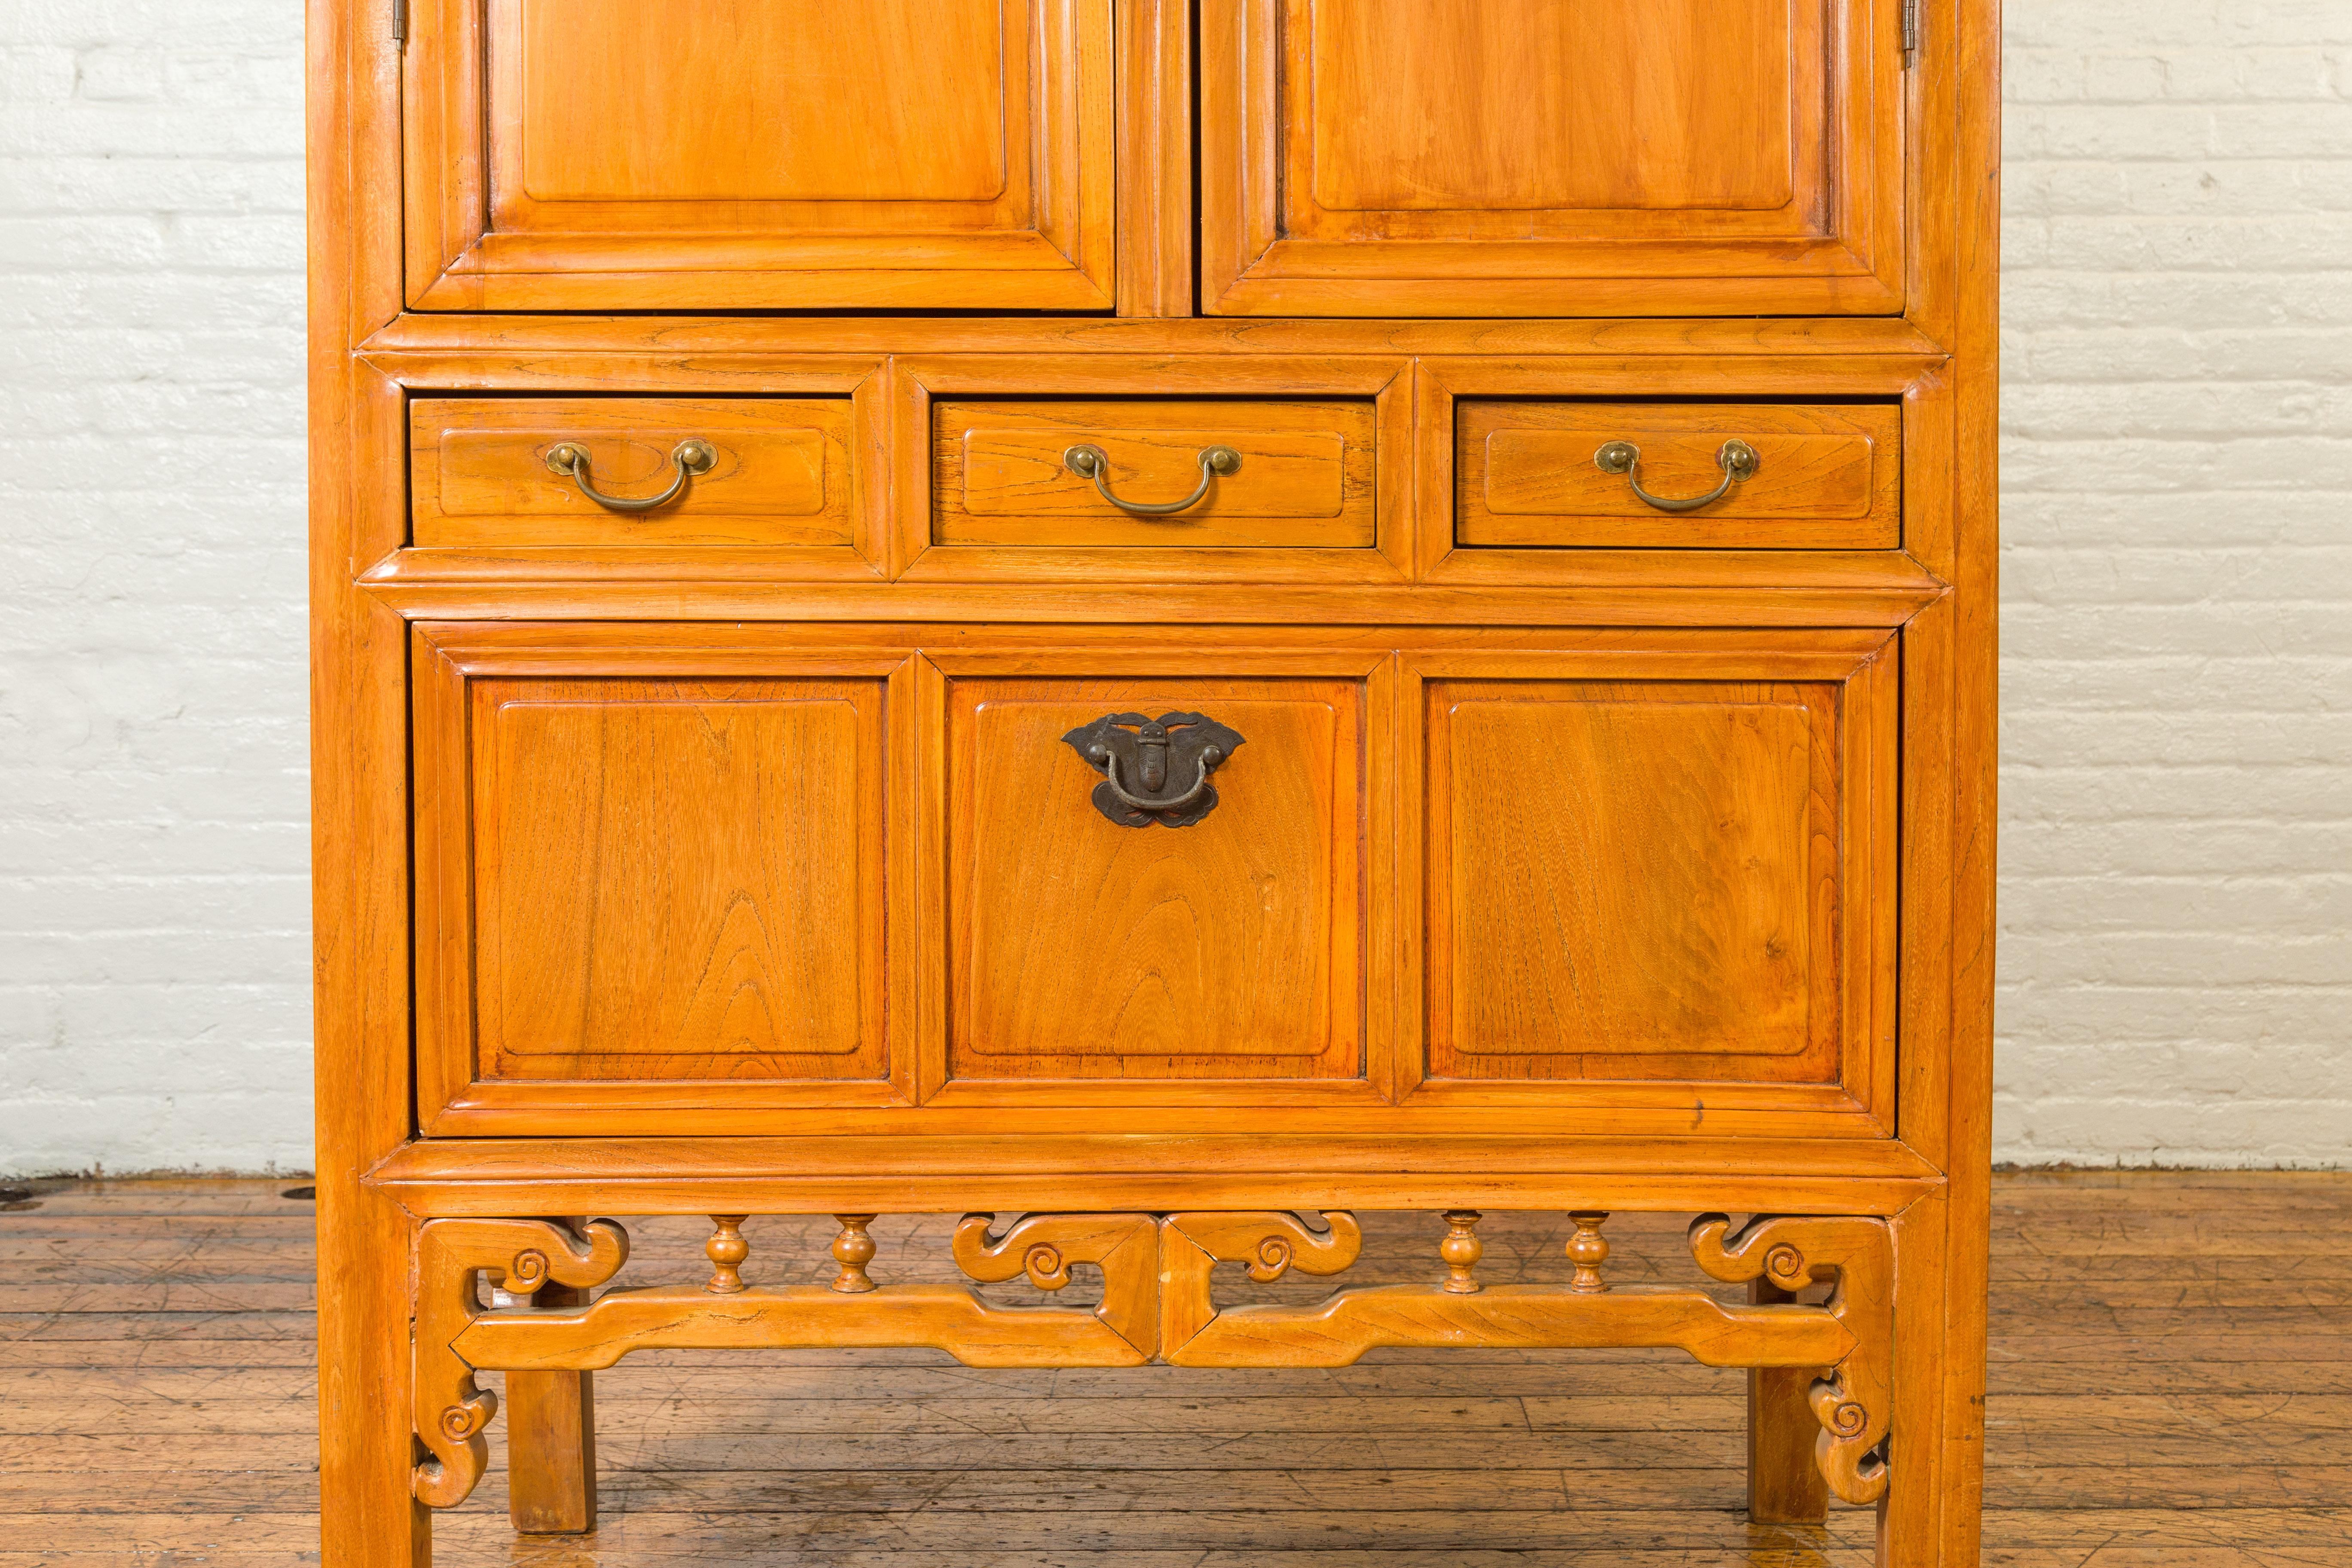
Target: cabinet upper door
x: 708, y: 154
x: 1551, y: 157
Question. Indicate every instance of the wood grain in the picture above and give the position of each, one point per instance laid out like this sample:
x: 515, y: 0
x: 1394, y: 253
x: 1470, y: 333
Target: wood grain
x: 479, y: 478
x: 676, y: 879
x: 552, y: 1441
x: 1576, y: 923
x: 1305, y: 479
x: 1315, y: 396
x: 698, y: 888
x: 955, y: 154
x: 1399, y: 157
x: 1747, y: 174
x: 1829, y: 476
x: 1080, y: 949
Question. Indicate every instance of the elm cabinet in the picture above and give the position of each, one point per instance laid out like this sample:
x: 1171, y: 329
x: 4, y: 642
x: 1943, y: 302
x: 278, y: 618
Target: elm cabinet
x: 1155, y: 624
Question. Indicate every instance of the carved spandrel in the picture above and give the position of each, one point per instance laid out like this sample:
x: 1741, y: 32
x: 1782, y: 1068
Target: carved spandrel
x: 1271, y: 1244
x: 1158, y: 1304
x: 1855, y: 1256
x: 1125, y: 1247
x: 519, y: 1255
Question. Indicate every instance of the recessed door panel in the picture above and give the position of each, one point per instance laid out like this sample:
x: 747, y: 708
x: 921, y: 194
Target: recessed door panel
x: 697, y: 155
x: 1551, y: 157
x: 628, y: 102
x: 650, y: 879
x: 1659, y: 896
x: 1553, y: 106
x: 661, y: 871
x: 1648, y: 869
x: 1219, y: 940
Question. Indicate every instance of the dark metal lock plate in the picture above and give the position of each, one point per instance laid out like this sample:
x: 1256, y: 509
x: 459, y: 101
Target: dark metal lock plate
x: 1154, y: 770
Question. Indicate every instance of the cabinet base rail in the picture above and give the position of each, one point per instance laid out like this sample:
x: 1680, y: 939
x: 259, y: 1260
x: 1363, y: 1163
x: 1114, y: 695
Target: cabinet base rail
x: 1156, y: 1306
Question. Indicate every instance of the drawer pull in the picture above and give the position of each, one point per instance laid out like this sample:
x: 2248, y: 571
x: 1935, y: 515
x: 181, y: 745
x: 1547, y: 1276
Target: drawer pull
x: 1738, y: 460
x: 1126, y: 747
x: 1090, y: 463
x: 692, y: 456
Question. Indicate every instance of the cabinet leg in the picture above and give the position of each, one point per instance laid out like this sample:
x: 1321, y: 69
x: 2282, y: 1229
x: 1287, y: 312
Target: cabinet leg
x: 1784, y: 1485
x: 552, y: 1441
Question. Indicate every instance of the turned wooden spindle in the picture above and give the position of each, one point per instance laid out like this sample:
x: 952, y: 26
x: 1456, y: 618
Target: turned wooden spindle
x: 1461, y: 1249
x: 1588, y: 1250
x: 727, y: 1249
x: 853, y: 1249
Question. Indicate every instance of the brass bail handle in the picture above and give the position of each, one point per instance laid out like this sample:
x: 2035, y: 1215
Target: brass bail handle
x: 1091, y: 463
x: 1109, y: 762
x: 691, y: 457
x: 1736, y: 457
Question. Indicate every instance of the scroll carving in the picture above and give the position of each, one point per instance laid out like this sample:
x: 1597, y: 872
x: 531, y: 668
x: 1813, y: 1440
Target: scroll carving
x: 521, y: 1256
x: 1044, y: 1246
x: 1156, y: 1304
x: 1855, y: 1258
x: 1271, y: 1244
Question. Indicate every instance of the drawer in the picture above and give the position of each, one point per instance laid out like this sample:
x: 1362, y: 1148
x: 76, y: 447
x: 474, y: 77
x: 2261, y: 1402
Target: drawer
x: 760, y: 471
x: 1627, y: 475
x: 1261, y: 474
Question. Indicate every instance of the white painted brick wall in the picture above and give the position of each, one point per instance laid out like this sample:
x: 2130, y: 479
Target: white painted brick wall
x: 2175, y: 848
x: 2177, y: 980
x: 154, y: 991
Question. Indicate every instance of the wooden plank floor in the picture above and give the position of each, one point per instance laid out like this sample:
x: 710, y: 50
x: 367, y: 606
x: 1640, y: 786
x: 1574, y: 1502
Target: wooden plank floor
x: 2171, y: 1388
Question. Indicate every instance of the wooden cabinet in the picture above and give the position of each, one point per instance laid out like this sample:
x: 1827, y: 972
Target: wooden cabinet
x: 1142, y: 617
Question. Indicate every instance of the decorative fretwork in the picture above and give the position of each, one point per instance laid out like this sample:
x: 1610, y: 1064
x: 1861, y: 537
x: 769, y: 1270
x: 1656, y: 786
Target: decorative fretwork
x: 519, y: 1255
x: 1855, y: 1259
x: 1157, y: 1305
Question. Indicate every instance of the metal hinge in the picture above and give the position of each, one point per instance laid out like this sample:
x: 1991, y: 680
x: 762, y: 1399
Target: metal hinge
x: 1910, y: 32
x: 400, y: 20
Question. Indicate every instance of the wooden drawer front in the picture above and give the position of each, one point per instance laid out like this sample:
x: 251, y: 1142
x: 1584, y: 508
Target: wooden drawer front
x: 1665, y: 866
x: 632, y: 877
x: 1080, y: 947
x: 1305, y: 479
x: 1827, y: 477
x: 479, y: 476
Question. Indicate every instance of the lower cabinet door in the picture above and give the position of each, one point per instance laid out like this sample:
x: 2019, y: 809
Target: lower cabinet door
x: 653, y: 870
x: 1156, y: 873
x: 772, y: 878
x: 1659, y: 872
